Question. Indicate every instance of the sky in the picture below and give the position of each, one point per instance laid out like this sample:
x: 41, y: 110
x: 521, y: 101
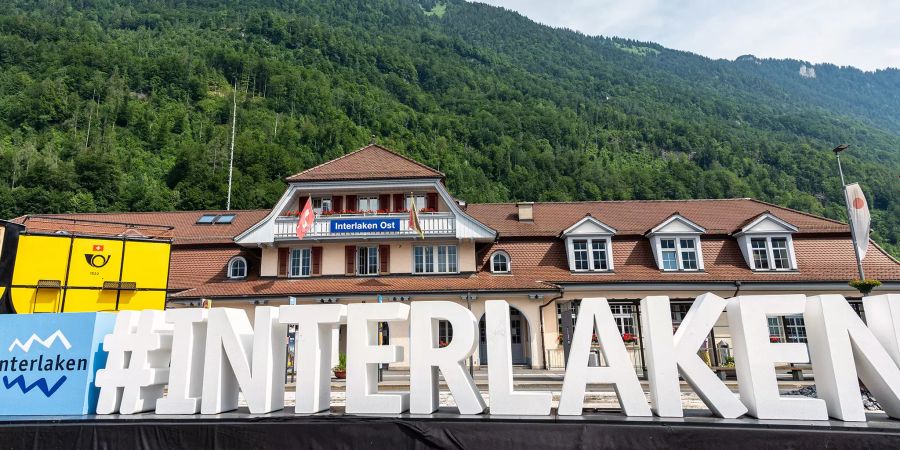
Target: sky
x: 860, y: 33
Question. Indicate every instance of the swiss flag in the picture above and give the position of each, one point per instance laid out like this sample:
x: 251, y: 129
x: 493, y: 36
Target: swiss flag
x: 98, y: 248
x: 307, y: 217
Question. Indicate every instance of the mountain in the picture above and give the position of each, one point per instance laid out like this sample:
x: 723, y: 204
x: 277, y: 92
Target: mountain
x: 125, y: 105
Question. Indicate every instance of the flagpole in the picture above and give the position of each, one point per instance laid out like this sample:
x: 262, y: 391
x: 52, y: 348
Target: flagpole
x: 837, y: 152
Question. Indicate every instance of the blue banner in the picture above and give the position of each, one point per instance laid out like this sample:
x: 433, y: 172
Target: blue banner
x: 48, y: 362
x: 365, y: 225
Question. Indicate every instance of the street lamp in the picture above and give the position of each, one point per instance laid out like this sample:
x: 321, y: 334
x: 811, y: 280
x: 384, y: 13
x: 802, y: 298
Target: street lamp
x: 837, y: 153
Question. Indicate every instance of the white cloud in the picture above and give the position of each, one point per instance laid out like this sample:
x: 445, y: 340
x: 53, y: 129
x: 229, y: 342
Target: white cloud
x: 860, y: 33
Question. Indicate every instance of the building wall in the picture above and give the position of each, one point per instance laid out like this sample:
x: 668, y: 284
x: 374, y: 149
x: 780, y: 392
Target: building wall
x: 269, y: 262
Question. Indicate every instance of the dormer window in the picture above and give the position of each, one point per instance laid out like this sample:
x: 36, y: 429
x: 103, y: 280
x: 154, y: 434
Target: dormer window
x: 589, y: 245
x: 500, y: 262
x: 676, y: 244
x: 237, y: 268
x: 766, y: 243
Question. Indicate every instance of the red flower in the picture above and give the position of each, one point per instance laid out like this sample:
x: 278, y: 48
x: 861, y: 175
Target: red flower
x: 628, y: 337
x: 774, y: 339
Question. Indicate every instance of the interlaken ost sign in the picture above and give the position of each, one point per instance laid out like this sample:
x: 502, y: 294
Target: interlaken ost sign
x: 189, y: 361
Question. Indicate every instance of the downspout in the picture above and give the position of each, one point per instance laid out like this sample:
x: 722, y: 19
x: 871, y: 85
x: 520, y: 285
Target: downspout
x: 541, y: 314
x: 737, y: 288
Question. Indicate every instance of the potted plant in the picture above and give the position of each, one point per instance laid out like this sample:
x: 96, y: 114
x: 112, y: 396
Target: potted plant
x: 864, y: 286
x: 340, y: 370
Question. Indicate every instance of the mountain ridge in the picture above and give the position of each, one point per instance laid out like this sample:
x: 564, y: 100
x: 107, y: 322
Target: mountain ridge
x: 113, y: 105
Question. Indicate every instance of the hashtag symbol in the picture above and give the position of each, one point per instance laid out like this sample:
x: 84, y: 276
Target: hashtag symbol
x: 137, y: 366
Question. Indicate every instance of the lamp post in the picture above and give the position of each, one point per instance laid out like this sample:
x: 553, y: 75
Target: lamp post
x: 837, y: 153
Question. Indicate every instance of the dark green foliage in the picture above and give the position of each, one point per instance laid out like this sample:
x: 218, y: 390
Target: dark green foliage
x: 125, y: 105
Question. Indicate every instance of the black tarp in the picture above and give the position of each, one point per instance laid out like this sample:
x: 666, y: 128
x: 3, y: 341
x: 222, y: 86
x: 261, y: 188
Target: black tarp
x: 284, y: 430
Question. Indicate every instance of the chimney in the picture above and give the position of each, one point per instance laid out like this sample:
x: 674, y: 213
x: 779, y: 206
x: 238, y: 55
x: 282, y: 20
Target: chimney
x: 526, y: 211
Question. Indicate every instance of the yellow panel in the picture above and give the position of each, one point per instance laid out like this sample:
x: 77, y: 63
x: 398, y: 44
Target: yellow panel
x: 89, y: 300
x: 146, y: 264
x: 138, y: 300
x: 41, y: 258
x: 93, y: 262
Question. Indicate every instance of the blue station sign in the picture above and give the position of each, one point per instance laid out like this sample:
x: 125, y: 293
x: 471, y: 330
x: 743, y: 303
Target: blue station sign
x: 48, y: 362
x: 365, y: 226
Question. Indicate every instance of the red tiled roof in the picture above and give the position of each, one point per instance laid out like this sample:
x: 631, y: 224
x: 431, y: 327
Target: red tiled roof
x: 371, y: 162
x: 723, y: 216
x: 820, y: 258
x: 185, y: 229
x: 195, y: 266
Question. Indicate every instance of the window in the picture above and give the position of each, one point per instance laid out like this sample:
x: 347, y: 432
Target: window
x: 679, y: 311
x: 780, y: 253
x: 209, y: 219
x: 679, y: 253
x: 435, y: 259
x: 669, y: 255
x: 237, y: 267
x: 445, y: 333
x: 770, y: 253
x: 581, y: 254
x: 368, y: 203
x: 500, y: 262
x: 787, y: 329
x: 225, y: 219
x: 420, y: 201
x: 598, y: 254
x: 624, y: 317
x: 300, y: 262
x: 575, y: 304
x: 760, y: 254
x: 321, y: 204
x: 206, y: 218
x: 367, y: 261
x: 590, y: 255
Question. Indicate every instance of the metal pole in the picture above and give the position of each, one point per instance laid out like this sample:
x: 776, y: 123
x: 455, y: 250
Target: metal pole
x: 859, y: 266
x: 231, y: 157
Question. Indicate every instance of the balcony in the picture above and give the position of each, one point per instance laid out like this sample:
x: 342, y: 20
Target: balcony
x: 350, y: 226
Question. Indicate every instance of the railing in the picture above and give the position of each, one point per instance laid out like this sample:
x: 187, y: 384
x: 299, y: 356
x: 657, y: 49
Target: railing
x: 433, y: 224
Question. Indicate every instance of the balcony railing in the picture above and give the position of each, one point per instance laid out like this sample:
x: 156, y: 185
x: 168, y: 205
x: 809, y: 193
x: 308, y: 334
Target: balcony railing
x: 439, y: 224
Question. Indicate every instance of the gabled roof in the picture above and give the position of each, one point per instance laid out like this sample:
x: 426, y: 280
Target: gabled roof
x: 635, y: 217
x: 372, y: 162
x: 754, y: 222
x: 589, y: 221
x: 666, y: 226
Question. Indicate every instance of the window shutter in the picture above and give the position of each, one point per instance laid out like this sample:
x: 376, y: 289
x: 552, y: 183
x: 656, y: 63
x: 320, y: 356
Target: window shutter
x: 384, y: 256
x: 431, y: 201
x: 337, y: 203
x: 398, y: 202
x: 350, y: 259
x: 384, y: 201
x: 283, y: 253
x: 317, y: 260
x: 352, y: 204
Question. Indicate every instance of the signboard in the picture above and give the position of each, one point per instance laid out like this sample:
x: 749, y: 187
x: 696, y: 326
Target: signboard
x: 185, y: 361
x: 48, y: 362
x: 365, y: 226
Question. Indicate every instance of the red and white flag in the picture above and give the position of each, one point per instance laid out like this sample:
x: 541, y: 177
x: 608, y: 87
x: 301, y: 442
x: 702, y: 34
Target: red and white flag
x: 859, y: 216
x: 307, y: 217
x: 414, y: 217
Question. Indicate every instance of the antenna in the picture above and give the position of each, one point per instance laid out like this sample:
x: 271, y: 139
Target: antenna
x: 231, y: 158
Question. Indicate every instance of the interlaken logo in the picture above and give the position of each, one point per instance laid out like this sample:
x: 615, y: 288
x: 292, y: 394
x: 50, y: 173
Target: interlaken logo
x: 39, y: 364
x: 97, y: 260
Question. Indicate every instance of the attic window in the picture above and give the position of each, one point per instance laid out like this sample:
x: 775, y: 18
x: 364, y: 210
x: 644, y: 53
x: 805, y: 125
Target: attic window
x: 218, y: 219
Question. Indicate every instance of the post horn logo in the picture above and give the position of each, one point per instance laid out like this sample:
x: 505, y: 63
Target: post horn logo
x: 97, y: 260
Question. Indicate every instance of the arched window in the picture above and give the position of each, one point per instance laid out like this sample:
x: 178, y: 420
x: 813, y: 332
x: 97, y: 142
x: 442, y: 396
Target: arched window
x: 500, y: 262
x: 237, y: 267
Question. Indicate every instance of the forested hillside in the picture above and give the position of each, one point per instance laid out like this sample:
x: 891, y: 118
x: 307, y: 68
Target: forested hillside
x: 125, y: 105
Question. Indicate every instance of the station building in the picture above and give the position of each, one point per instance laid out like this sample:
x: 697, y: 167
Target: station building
x: 541, y: 257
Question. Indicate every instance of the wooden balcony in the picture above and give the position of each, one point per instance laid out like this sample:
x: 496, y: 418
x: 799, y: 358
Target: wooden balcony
x: 355, y: 226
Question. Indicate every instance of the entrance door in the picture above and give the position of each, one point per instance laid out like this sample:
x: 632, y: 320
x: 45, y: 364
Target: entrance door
x: 517, y: 337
